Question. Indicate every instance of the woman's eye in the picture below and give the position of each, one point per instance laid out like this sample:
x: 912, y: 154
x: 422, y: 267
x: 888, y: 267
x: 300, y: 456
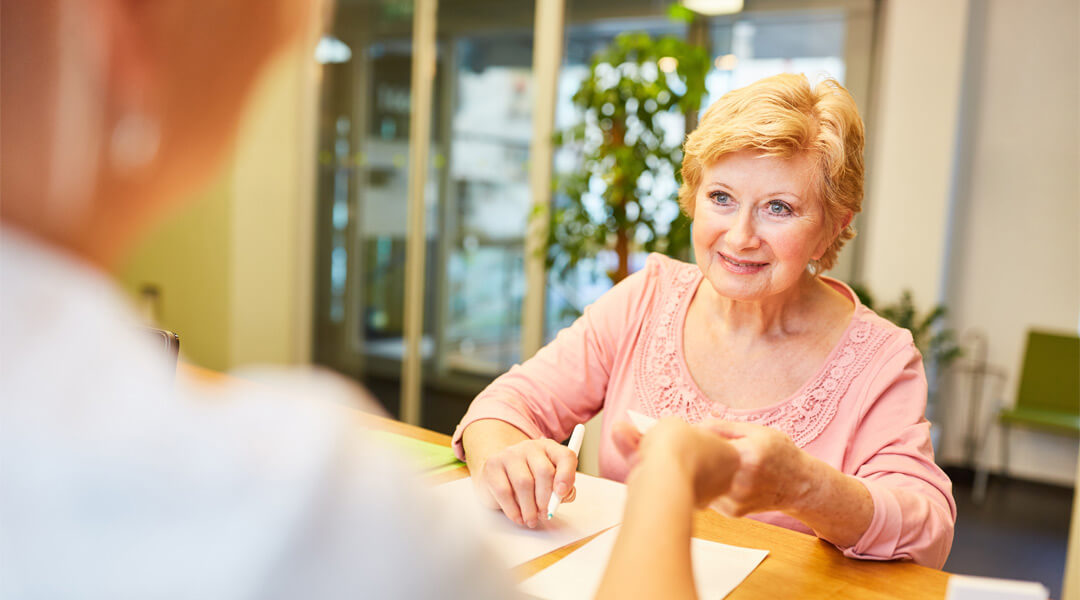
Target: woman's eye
x: 779, y: 208
x: 720, y: 197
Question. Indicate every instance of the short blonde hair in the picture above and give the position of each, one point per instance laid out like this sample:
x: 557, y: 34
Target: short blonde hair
x: 783, y: 116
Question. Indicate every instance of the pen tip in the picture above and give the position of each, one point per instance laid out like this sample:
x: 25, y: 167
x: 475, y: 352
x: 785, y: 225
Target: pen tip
x: 550, y: 515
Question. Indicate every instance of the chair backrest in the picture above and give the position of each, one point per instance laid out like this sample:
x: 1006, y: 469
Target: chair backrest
x: 1051, y: 376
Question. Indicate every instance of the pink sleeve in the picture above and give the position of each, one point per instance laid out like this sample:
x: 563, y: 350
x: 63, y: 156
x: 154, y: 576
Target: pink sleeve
x: 914, y: 510
x: 564, y: 383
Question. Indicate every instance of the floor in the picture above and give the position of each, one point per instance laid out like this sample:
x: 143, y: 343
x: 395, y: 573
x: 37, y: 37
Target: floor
x: 1020, y: 531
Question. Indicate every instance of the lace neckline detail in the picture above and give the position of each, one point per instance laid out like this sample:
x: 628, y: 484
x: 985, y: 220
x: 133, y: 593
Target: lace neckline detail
x: 665, y: 387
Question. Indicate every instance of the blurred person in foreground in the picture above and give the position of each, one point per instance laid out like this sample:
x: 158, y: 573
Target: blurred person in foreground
x: 823, y: 399
x: 115, y: 483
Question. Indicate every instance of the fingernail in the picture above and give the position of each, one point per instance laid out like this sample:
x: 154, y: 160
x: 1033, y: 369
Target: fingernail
x: 532, y: 524
x: 560, y: 489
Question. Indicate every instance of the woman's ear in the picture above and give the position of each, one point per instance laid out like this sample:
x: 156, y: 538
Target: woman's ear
x: 838, y: 227
x: 847, y: 221
x: 135, y: 130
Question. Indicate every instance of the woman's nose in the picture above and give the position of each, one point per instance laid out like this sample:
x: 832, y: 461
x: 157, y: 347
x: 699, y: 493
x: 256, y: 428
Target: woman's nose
x: 742, y: 234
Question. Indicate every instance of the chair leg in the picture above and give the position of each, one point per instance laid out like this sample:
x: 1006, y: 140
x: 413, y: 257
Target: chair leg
x: 978, y: 492
x: 982, y: 470
x: 1005, y: 450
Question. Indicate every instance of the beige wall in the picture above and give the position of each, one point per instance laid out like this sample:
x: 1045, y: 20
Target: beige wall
x: 911, y: 145
x: 187, y: 259
x: 235, y: 268
x: 273, y: 220
x: 1016, y: 237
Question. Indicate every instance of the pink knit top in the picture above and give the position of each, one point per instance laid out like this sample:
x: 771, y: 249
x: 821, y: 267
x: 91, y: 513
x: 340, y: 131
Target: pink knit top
x: 862, y: 412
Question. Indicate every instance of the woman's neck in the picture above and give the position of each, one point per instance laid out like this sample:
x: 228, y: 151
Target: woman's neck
x: 788, y: 313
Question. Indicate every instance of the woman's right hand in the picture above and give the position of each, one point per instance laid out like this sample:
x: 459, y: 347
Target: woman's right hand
x: 520, y: 478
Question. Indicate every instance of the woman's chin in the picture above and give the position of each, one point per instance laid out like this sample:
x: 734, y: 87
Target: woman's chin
x: 740, y: 288
x: 752, y: 287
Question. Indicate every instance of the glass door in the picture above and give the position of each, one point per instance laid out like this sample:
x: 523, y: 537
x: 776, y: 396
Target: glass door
x: 363, y: 165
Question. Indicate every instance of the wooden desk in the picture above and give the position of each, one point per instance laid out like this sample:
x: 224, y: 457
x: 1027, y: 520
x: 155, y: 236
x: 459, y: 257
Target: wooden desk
x: 799, y: 566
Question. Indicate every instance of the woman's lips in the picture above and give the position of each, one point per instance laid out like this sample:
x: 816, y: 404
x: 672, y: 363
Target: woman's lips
x: 740, y: 267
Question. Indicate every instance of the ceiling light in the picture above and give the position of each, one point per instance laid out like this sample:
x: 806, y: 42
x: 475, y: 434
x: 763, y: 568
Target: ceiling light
x: 714, y: 7
x: 331, y: 50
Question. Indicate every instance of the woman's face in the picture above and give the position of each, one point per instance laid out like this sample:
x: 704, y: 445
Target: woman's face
x: 758, y: 221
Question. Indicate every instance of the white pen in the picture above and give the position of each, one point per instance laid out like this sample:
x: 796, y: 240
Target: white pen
x: 575, y: 447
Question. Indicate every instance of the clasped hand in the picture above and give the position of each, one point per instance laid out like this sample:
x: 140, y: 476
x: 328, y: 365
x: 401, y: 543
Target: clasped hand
x: 706, y: 461
x: 772, y: 472
x: 741, y: 468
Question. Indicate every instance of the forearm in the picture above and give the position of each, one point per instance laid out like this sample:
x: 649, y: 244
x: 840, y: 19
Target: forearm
x: 651, y: 558
x: 836, y: 506
x: 485, y: 437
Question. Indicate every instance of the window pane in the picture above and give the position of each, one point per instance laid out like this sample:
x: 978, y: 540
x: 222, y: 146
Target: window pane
x: 362, y: 182
x: 487, y: 201
x: 756, y: 45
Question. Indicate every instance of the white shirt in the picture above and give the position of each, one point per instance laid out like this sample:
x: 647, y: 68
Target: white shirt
x: 117, y: 483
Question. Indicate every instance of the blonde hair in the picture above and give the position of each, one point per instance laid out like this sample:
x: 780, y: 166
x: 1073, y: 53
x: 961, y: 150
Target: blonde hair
x: 783, y: 116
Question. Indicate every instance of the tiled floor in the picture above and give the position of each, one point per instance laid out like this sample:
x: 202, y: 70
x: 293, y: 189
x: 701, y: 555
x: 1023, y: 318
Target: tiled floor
x: 1020, y: 532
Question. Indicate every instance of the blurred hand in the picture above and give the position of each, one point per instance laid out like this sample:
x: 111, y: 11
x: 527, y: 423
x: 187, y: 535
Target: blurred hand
x: 771, y: 474
x: 520, y: 479
x: 708, y: 460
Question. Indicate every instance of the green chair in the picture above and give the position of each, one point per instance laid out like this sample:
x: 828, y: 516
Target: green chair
x: 1049, y: 395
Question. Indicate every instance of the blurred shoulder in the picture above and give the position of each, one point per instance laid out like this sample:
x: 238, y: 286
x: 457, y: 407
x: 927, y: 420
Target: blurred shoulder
x: 304, y: 411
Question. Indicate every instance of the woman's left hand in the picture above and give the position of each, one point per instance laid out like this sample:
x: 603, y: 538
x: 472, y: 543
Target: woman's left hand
x: 772, y: 472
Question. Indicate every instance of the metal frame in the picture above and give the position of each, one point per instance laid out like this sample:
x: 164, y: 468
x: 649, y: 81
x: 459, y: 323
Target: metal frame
x: 547, y: 58
x: 422, y: 85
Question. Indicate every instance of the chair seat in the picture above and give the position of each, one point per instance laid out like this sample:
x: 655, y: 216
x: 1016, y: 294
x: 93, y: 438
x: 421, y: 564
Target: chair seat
x: 1060, y: 422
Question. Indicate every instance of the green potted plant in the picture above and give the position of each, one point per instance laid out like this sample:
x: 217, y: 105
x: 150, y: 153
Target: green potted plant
x: 625, y: 156
x: 936, y: 343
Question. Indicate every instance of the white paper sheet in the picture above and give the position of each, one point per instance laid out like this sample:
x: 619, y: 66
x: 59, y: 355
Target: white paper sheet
x: 968, y: 587
x: 599, y: 505
x: 718, y: 569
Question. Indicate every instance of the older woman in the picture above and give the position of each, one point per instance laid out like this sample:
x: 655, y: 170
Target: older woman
x: 823, y: 399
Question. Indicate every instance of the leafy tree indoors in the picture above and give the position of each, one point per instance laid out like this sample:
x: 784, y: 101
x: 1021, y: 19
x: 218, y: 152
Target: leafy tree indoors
x: 622, y: 198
